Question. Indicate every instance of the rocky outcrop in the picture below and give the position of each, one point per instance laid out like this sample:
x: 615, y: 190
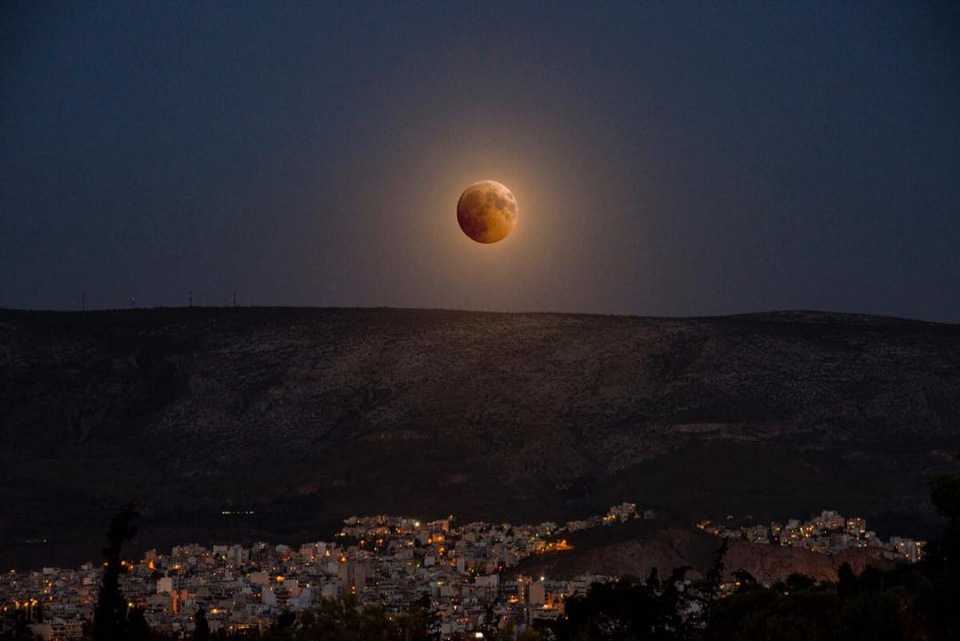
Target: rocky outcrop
x: 673, y: 547
x: 771, y: 563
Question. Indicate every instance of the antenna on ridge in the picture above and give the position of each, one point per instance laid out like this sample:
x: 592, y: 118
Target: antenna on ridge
x: 190, y: 298
x: 234, y: 298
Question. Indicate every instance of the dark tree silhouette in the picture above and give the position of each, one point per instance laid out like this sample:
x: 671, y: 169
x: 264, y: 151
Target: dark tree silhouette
x: 846, y: 582
x: 745, y: 580
x: 137, y: 628
x: 944, y: 562
x: 624, y: 609
x: 945, y: 495
x: 710, y: 587
x: 110, y: 616
x: 201, y: 628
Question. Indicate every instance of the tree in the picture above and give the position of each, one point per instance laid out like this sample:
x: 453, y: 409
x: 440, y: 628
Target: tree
x: 137, y: 627
x: 944, y: 558
x: 945, y: 495
x: 797, y: 582
x: 110, y: 616
x: 709, y: 589
x: 624, y: 609
x: 846, y: 581
x: 762, y: 614
x: 430, y: 616
x: 201, y: 629
x: 745, y: 580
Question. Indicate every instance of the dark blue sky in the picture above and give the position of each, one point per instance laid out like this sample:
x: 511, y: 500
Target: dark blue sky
x: 669, y: 158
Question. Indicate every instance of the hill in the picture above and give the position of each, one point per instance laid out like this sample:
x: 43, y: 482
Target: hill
x: 666, y: 544
x: 299, y: 417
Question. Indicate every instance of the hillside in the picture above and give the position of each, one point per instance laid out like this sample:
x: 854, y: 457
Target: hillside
x: 637, y: 547
x: 303, y: 416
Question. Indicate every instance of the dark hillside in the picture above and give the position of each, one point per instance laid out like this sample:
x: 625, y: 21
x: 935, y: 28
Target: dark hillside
x: 307, y: 415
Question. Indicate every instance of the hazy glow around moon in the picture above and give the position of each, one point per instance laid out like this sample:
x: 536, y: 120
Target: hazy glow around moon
x: 487, y: 211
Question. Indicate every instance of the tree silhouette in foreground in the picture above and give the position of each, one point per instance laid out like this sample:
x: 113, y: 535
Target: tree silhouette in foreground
x: 345, y: 620
x: 910, y: 602
x: 944, y: 561
x: 624, y: 609
x: 201, y: 628
x: 111, y: 619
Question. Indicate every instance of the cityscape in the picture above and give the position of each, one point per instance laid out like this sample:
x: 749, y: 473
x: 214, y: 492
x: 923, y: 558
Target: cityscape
x: 464, y: 572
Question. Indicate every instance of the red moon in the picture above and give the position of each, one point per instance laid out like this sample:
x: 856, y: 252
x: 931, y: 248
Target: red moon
x: 487, y: 211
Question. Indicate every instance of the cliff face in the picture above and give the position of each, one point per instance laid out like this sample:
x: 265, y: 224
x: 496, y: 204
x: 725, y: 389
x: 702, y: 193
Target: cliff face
x: 306, y: 415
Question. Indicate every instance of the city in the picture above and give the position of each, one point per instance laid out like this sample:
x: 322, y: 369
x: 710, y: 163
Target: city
x: 462, y: 573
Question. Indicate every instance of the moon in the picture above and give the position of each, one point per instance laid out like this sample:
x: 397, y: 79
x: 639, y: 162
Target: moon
x: 487, y: 211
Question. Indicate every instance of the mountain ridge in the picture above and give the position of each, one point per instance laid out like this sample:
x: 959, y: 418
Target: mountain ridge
x: 310, y: 414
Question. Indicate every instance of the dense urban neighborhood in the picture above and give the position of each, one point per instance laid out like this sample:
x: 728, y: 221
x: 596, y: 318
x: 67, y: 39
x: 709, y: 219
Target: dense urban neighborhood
x: 461, y: 576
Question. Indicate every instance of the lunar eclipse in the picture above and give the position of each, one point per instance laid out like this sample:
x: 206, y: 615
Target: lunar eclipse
x: 487, y: 211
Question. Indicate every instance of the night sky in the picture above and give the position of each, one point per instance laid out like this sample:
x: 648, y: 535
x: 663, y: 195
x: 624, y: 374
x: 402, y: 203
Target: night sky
x: 668, y: 158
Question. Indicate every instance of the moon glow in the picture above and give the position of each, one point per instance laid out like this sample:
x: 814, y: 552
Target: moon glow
x: 487, y: 211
